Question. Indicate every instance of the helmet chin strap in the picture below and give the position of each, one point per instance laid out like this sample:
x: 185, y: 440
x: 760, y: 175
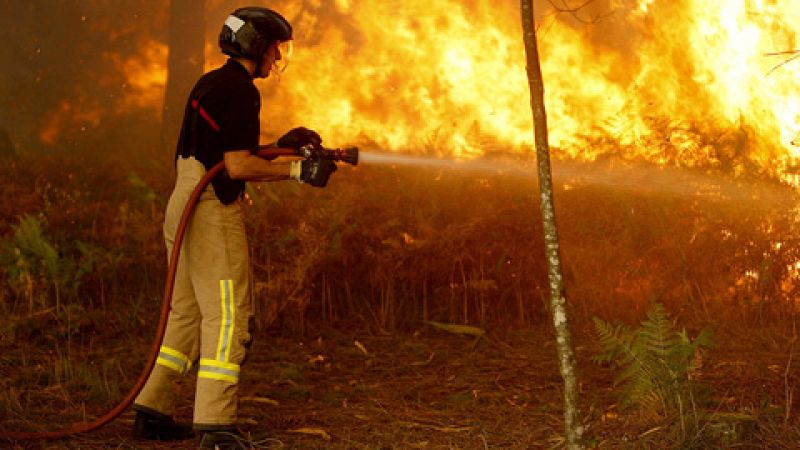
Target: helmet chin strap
x: 259, y: 64
x: 257, y: 71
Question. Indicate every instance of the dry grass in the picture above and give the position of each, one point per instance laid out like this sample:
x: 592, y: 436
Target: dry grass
x: 383, y: 250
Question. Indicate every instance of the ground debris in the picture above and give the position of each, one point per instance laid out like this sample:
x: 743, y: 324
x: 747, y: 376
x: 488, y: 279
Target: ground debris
x: 428, y: 390
x: 253, y: 399
x: 313, y: 432
x: 441, y: 429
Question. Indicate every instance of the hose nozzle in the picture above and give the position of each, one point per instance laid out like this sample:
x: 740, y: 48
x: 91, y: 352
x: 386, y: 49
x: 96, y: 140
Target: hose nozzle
x: 348, y: 155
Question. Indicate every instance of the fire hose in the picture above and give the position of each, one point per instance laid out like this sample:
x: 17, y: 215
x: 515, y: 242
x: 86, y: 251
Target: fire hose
x: 347, y: 155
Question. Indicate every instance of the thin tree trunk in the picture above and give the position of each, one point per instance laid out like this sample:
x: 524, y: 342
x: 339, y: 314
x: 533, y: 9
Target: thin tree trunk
x: 185, y: 64
x: 566, y: 353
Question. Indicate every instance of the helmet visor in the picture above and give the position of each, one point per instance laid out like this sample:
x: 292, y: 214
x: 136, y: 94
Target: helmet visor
x: 284, y: 55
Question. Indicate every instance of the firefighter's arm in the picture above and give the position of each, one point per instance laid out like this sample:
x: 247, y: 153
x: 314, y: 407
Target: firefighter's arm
x: 244, y: 165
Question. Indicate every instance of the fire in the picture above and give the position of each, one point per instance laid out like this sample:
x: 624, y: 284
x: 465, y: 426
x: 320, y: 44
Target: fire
x: 68, y: 115
x: 733, y: 43
x: 144, y: 78
x: 419, y: 77
x: 673, y: 82
x: 679, y: 82
x: 644, y: 5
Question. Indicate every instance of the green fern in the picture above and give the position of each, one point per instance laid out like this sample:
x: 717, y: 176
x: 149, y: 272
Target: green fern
x: 33, y: 246
x: 31, y: 263
x: 655, y: 362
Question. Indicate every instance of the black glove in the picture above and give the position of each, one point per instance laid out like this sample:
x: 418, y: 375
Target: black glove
x: 316, y: 171
x: 299, y: 137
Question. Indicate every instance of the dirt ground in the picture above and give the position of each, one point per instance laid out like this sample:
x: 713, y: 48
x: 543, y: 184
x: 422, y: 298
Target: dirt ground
x: 430, y: 389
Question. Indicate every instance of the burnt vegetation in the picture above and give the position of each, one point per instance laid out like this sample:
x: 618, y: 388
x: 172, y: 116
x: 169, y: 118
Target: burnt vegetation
x: 377, y: 256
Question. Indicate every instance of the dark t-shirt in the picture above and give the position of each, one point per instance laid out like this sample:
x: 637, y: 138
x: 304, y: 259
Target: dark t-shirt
x: 221, y: 115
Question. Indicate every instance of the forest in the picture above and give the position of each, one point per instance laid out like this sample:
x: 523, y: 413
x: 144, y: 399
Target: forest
x: 408, y: 303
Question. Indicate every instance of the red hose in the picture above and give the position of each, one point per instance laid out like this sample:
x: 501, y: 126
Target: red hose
x: 268, y: 153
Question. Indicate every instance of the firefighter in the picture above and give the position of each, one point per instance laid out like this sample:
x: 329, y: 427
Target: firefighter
x: 211, y: 304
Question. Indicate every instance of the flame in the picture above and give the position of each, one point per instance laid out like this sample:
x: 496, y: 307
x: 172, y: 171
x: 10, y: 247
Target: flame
x: 731, y: 46
x: 674, y: 82
x: 643, y: 6
x: 144, y: 76
x: 669, y: 81
x: 677, y: 82
x: 68, y: 115
x: 418, y: 77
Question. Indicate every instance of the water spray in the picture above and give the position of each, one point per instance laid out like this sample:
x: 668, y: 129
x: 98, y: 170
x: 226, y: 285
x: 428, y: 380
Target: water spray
x: 639, y: 177
x: 462, y: 165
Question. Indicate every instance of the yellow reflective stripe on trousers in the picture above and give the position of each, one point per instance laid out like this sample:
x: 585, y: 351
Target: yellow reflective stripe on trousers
x: 173, y: 359
x: 218, y: 370
x: 228, y: 320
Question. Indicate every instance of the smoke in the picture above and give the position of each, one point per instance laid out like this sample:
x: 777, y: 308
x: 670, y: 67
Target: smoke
x: 61, y: 67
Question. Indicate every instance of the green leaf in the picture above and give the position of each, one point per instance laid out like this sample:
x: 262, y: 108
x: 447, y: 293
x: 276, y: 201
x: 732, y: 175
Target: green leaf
x: 653, y: 361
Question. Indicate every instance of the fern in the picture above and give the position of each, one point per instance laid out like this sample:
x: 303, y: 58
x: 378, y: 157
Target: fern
x: 654, y: 360
x: 32, y: 244
x: 31, y: 263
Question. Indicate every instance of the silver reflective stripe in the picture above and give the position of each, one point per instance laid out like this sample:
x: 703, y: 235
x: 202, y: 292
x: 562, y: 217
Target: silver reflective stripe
x: 219, y: 371
x: 227, y: 322
x: 175, y: 360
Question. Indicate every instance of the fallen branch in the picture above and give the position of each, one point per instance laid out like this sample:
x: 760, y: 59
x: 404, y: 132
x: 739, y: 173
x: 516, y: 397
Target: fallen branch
x: 458, y: 329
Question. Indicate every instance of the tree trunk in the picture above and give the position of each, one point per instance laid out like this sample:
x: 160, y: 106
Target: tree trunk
x: 566, y: 353
x: 185, y: 64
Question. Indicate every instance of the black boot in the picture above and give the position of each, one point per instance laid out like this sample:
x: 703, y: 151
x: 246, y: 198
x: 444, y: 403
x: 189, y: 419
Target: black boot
x: 153, y: 426
x: 226, y: 439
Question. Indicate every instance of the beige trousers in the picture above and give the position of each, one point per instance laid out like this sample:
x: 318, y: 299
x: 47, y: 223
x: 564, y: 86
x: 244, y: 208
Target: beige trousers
x: 211, y: 306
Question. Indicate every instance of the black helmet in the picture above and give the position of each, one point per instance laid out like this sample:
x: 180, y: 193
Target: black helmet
x: 248, y: 32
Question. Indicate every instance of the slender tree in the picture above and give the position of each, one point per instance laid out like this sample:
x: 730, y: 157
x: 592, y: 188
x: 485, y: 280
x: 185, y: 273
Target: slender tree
x: 566, y: 352
x: 184, y: 64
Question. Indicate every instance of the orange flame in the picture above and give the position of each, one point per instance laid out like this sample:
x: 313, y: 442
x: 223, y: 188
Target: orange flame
x: 67, y: 115
x: 670, y: 81
x: 145, y: 77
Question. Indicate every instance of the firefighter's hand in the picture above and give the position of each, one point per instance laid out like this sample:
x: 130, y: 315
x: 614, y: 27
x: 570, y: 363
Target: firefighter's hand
x: 316, y: 171
x: 299, y: 137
